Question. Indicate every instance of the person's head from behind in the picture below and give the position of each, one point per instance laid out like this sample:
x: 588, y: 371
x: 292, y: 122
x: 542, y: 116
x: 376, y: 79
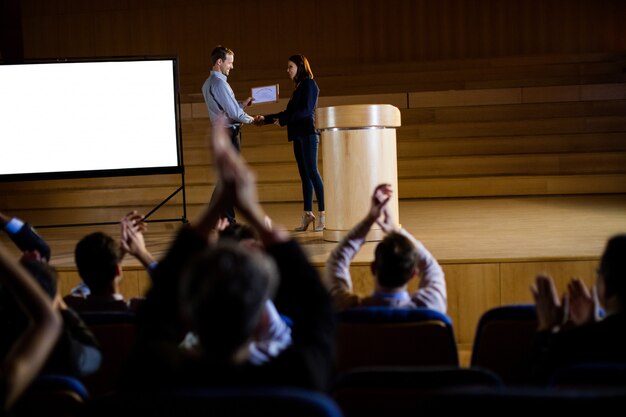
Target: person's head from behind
x: 395, y: 262
x: 611, y: 282
x: 298, y: 68
x: 222, y: 59
x: 224, y: 291
x: 98, y: 257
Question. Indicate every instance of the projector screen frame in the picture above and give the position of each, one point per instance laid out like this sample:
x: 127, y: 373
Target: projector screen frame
x: 117, y: 172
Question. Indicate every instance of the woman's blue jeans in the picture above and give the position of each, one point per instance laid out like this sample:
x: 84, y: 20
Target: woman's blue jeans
x: 305, y: 151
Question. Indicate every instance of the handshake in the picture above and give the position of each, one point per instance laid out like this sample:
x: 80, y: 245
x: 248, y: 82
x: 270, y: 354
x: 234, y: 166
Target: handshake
x: 258, y: 120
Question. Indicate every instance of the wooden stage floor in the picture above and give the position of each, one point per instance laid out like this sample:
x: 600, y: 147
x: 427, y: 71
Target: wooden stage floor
x: 455, y: 230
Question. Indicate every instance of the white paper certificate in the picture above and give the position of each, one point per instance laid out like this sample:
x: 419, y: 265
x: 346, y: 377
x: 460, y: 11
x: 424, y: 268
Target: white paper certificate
x: 265, y: 94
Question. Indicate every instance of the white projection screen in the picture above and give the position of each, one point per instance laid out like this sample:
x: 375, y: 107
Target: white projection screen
x: 87, y: 119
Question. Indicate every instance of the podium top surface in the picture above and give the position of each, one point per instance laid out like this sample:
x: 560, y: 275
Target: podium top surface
x: 357, y: 116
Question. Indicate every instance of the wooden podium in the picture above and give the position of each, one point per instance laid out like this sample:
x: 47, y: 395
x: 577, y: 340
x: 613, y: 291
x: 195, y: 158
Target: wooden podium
x: 359, y: 152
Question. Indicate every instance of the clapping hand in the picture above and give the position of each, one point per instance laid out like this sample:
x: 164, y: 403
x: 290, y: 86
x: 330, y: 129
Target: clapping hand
x: 133, y: 227
x: 550, y: 312
x: 583, y: 305
x: 380, y: 211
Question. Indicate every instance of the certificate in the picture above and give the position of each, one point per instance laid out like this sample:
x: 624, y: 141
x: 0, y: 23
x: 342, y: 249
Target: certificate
x: 265, y: 94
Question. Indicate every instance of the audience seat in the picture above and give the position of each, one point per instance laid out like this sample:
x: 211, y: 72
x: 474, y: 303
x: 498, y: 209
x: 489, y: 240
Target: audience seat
x: 220, y: 402
x: 386, y: 336
x: 380, y: 391
x: 116, y: 332
x: 53, y: 394
x: 522, y: 401
x: 591, y: 375
x: 504, y: 337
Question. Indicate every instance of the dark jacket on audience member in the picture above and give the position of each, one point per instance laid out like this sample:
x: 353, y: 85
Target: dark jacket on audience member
x: 77, y: 351
x: 158, y: 362
x: 110, y: 303
x: 604, y: 341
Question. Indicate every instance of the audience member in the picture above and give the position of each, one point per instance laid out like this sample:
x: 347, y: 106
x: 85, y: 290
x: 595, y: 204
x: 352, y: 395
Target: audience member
x: 273, y: 334
x: 99, y: 261
x: 25, y: 237
x: 76, y: 352
x: 398, y: 258
x: 222, y: 289
x: 572, y: 332
x: 30, y: 349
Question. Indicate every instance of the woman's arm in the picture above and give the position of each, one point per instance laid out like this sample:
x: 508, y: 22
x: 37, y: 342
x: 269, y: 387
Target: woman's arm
x: 301, y: 106
x: 30, y: 352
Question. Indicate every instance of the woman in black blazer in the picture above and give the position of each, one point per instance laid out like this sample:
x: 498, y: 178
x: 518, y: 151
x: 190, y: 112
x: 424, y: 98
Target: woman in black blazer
x: 299, y: 117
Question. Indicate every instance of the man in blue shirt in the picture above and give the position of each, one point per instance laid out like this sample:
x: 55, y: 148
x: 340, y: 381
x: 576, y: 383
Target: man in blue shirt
x: 220, y: 100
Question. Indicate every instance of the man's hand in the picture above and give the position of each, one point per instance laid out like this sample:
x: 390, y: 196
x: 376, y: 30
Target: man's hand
x: 132, y: 240
x: 238, y: 184
x: 379, y: 212
x: 380, y: 198
x: 247, y: 102
x: 583, y: 305
x: 259, y: 120
x: 550, y: 313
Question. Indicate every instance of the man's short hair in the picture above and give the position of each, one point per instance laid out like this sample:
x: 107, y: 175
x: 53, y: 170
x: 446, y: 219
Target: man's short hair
x: 395, y: 260
x: 224, y: 291
x: 97, y: 258
x: 613, y: 267
x: 220, y: 52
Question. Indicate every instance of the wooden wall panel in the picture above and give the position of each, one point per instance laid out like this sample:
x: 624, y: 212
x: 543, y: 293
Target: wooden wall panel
x: 68, y: 278
x: 516, y: 278
x: 329, y: 32
x: 472, y: 290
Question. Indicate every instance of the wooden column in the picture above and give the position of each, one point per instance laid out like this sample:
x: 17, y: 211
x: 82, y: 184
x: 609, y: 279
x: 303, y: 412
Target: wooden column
x: 359, y: 152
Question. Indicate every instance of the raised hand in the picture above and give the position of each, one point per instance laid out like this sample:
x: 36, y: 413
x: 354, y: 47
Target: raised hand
x: 380, y: 198
x: 237, y: 184
x: 132, y: 240
x: 550, y: 313
x: 380, y: 212
x: 583, y: 305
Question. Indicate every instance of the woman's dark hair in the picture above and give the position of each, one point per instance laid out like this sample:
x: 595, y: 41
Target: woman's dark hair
x: 304, y: 69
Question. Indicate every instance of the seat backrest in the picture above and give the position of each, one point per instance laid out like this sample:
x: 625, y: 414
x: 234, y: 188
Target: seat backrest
x: 503, y: 340
x: 520, y: 400
x: 387, y: 336
x: 220, y: 402
x: 379, y: 391
x: 116, y: 332
x: 591, y: 375
x: 63, y: 394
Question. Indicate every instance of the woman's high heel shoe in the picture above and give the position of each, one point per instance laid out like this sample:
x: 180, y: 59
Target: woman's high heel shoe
x: 321, y: 222
x: 307, y: 219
